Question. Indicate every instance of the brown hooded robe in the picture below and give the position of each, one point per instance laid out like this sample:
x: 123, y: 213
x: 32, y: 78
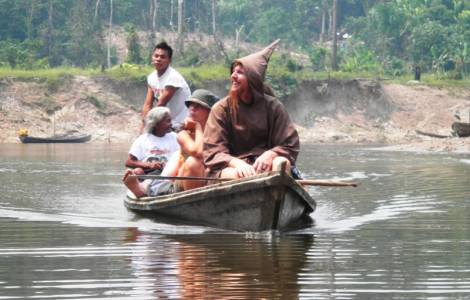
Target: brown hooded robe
x: 257, y: 127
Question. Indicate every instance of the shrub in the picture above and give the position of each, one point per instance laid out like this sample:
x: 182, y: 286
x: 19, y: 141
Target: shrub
x: 394, y: 66
x: 361, y: 60
x: 318, y: 58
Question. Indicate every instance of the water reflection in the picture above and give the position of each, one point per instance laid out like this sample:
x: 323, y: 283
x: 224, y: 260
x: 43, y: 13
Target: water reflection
x: 403, y: 234
x: 221, y: 266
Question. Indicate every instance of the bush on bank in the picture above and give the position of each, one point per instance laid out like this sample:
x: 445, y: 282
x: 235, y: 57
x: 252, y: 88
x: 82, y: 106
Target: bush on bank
x: 282, y: 76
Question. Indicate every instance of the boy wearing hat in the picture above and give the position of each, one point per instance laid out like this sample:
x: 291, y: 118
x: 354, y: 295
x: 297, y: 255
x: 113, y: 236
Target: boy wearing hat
x: 190, y: 138
x: 249, y: 131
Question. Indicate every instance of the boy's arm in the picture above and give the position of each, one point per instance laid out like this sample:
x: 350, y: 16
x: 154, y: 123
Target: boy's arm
x: 166, y: 95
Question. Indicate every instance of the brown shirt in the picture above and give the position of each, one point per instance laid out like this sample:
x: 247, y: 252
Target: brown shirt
x: 255, y: 128
x: 260, y: 126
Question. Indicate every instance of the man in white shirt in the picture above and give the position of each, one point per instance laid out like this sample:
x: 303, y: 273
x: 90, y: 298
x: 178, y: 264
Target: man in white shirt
x: 166, y: 86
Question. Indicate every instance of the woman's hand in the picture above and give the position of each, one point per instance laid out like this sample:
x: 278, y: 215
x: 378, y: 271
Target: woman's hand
x: 242, y: 168
x: 190, y: 125
x: 264, y: 162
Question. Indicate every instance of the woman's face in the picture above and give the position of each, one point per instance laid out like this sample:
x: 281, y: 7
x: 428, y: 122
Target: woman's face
x: 198, y: 112
x: 239, y: 81
x: 163, y: 127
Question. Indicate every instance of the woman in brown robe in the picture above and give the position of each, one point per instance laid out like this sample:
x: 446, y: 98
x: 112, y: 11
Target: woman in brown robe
x: 249, y: 131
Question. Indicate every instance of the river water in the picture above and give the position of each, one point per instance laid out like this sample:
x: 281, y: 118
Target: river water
x: 402, y: 234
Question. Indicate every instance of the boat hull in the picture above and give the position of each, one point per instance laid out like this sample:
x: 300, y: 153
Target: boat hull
x: 259, y: 203
x: 57, y: 139
x: 461, y: 129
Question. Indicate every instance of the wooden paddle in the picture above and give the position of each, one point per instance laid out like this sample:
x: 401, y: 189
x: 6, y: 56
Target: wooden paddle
x: 317, y: 182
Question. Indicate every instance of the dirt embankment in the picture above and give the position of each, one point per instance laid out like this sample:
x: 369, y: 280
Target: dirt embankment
x: 101, y: 107
x: 367, y: 112
x: 352, y: 112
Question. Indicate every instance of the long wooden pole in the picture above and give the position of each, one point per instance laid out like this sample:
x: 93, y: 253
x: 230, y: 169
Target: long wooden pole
x: 179, y: 177
x: 326, y: 182
x: 317, y: 182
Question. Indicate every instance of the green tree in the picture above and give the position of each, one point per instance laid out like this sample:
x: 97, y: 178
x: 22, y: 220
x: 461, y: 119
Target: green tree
x: 429, y: 45
x: 85, y: 43
x: 133, y: 47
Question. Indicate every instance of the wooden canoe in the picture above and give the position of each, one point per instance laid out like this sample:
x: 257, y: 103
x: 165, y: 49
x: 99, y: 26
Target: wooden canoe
x: 435, y: 135
x: 269, y: 201
x: 56, y: 139
x: 461, y: 129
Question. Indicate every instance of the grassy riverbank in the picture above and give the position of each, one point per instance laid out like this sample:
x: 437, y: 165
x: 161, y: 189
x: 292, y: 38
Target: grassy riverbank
x: 122, y: 72
x: 107, y: 104
x: 277, y: 74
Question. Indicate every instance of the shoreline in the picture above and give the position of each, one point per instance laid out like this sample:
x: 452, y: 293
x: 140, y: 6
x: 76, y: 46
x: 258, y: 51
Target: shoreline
x: 355, y: 112
x: 451, y: 145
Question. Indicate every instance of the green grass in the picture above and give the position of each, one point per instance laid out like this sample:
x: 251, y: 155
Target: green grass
x: 338, y: 75
x: 439, y: 81
x: 197, y: 76
x: 128, y: 72
x: 45, y: 74
x: 194, y: 75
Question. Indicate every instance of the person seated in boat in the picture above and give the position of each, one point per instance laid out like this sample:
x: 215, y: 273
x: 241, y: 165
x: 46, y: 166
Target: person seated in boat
x: 155, y: 152
x: 249, y: 131
x: 190, y: 138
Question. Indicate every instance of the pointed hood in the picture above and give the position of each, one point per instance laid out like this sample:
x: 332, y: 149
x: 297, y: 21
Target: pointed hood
x: 255, y: 66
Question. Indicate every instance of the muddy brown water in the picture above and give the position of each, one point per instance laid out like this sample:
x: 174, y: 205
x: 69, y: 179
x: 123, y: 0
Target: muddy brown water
x: 403, y: 234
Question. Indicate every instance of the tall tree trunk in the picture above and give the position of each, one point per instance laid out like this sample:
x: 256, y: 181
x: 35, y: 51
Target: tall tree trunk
x: 213, y: 6
x: 237, y: 38
x: 108, y: 50
x: 217, y: 40
x: 196, y: 26
x: 50, y: 12
x: 152, y: 32
x: 30, y: 19
x: 334, y: 64
x: 154, y: 15
x: 365, y: 6
x: 330, y: 23
x: 171, y: 14
x: 97, y: 7
x: 324, y: 14
x: 179, y: 42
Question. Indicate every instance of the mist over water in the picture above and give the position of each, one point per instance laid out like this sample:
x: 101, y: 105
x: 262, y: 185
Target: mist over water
x: 402, y: 234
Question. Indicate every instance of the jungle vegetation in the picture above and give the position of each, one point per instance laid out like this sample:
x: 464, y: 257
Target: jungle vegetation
x: 388, y: 38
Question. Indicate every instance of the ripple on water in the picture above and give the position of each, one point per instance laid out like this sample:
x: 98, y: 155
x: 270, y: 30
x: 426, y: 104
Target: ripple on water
x: 402, y: 234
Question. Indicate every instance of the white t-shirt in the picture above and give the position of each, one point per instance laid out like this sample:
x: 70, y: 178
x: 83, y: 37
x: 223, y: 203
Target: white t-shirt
x: 151, y: 147
x: 173, y: 78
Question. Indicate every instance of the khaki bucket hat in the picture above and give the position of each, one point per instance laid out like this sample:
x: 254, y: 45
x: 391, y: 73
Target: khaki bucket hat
x: 202, y: 97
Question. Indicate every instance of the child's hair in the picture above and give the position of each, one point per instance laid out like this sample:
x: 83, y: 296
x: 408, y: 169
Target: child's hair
x: 154, y: 116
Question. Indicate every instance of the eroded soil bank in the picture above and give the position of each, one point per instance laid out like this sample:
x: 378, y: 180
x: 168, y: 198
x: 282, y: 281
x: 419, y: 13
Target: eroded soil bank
x: 368, y: 112
x: 351, y: 112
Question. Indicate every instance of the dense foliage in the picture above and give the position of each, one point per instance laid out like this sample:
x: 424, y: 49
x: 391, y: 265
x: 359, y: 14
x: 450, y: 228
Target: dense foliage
x: 380, y: 37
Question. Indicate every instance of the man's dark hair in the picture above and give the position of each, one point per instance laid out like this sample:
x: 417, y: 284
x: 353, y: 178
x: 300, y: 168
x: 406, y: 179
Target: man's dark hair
x: 164, y: 46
